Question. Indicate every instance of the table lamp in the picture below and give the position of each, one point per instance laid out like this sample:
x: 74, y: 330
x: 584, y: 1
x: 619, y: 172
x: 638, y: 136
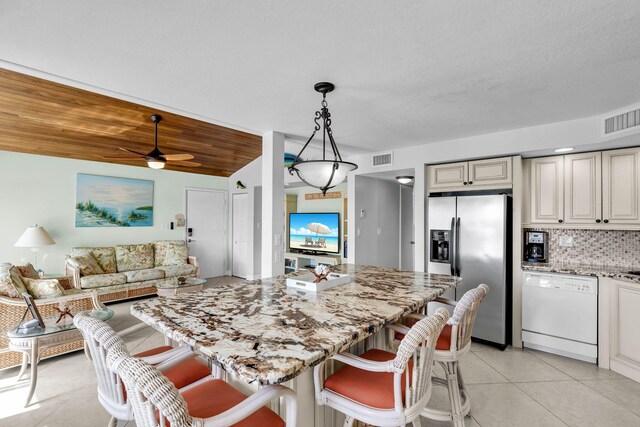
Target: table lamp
x: 34, y: 237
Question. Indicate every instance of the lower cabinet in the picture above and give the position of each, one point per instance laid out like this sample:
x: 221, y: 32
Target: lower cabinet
x: 619, y: 339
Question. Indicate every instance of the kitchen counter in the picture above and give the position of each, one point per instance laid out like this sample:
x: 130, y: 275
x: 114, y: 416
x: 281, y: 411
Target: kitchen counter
x: 619, y: 273
x: 265, y: 333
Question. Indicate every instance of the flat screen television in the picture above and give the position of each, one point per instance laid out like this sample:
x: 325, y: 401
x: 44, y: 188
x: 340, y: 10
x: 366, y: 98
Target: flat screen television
x: 314, y: 232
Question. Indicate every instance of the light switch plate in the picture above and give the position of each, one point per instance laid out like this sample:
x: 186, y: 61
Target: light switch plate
x: 566, y: 241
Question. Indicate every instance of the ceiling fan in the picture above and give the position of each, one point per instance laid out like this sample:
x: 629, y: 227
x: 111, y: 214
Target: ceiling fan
x: 156, y: 159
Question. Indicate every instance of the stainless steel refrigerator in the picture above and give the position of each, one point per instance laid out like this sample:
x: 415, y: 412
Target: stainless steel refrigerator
x: 469, y: 236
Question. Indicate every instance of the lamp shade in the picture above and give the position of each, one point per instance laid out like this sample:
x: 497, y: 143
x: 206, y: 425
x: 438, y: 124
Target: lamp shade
x: 34, y: 237
x: 317, y: 173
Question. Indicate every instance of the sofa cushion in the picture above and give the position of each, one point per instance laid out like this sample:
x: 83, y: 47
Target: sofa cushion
x: 28, y: 270
x: 178, y: 270
x: 170, y: 252
x: 43, y: 288
x: 142, y: 275
x: 134, y: 257
x: 100, y: 280
x: 8, y: 288
x: 87, y: 265
x: 105, y: 256
x: 16, y: 279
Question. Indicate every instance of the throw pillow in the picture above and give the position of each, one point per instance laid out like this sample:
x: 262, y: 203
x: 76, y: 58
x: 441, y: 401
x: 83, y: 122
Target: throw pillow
x: 87, y: 265
x: 28, y: 270
x: 43, y: 288
x: 7, y: 288
x: 170, y: 253
x: 16, y: 279
x: 134, y: 257
x: 106, y: 257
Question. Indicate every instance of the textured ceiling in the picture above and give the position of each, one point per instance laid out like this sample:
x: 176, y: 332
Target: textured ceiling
x: 406, y: 72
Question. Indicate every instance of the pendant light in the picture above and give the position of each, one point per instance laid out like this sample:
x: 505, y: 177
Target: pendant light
x: 326, y: 173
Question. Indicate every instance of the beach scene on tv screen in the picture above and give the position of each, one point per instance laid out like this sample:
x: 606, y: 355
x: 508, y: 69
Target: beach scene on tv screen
x: 314, y: 232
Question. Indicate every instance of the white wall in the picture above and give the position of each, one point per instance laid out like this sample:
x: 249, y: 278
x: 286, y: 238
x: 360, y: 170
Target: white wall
x: 378, y: 242
x: 42, y: 190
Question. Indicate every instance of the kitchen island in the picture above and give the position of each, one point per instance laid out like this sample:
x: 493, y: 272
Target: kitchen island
x: 262, y: 332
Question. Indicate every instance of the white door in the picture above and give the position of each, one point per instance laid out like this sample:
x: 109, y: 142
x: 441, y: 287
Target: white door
x: 240, y: 234
x: 582, y: 188
x: 407, y: 242
x: 205, y: 226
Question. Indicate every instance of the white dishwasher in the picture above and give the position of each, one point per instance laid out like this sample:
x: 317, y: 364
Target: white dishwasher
x: 560, y: 314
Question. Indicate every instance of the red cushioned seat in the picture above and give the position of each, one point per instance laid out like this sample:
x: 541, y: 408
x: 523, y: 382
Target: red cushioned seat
x: 444, y: 340
x: 213, y: 397
x: 373, y: 389
x: 181, y: 375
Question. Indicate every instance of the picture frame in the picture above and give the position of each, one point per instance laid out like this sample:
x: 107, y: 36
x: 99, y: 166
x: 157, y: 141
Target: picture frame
x: 31, y: 308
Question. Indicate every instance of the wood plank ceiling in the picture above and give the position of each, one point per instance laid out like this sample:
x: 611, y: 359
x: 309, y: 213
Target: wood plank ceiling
x: 42, y: 117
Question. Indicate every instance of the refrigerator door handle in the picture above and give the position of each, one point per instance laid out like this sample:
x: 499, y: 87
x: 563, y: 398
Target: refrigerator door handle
x: 457, y: 253
x: 452, y: 250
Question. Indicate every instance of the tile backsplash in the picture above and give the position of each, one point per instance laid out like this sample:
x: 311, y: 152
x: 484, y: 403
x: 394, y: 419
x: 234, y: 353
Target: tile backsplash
x: 620, y: 248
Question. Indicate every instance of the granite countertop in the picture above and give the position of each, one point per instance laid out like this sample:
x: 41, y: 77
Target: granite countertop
x: 620, y: 273
x: 263, y: 332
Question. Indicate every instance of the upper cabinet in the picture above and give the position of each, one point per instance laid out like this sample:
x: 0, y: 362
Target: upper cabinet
x: 620, y: 189
x: 582, y: 188
x: 588, y: 189
x: 473, y: 175
x: 547, y: 201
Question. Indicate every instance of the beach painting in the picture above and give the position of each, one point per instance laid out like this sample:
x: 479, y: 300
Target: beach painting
x: 106, y: 201
x: 317, y: 232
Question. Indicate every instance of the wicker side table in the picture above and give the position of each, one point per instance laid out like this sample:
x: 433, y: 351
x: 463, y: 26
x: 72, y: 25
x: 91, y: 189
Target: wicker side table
x: 30, y: 341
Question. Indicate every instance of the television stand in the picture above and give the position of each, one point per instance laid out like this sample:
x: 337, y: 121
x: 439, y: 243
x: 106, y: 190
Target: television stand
x: 295, y: 261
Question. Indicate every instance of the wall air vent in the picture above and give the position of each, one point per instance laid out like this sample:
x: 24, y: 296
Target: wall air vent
x: 383, y: 159
x: 624, y: 121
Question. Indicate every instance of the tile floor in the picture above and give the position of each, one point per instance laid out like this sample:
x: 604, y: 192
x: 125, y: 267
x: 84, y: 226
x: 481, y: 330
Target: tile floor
x: 507, y: 388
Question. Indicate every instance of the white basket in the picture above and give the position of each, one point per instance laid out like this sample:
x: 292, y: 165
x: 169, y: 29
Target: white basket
x: 305, y: 282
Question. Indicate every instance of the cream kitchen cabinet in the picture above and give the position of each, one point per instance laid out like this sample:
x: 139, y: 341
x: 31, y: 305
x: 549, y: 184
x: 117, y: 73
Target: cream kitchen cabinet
x: 472, y: 175
x: 547, y: 190
x: 620, y: 186
x: 619, y: 317
x: 597, y: 189
x: 582, y: 188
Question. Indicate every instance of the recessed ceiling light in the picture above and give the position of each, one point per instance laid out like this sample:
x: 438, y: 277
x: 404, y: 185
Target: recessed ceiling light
x: 405, y: 179
x: 564, y: 150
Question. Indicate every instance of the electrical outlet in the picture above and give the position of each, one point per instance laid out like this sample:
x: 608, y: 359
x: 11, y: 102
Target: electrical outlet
x: 566, y: 241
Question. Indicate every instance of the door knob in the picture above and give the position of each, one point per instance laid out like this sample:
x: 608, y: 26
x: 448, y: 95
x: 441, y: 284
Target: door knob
x: 190, y: 240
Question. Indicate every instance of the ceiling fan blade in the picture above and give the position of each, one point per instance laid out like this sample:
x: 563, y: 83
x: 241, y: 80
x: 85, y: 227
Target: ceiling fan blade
x: 183, y: 163
x: 121, y: 158
x: 178, y: 156
x: 131, y: 151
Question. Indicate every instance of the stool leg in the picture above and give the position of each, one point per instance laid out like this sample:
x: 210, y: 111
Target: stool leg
x: 454, y: 394
x: 348, y: 421
x: 416, y: 423
x: 463, y: 388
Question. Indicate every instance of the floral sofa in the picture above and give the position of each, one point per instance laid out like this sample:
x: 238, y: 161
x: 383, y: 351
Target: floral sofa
x: 48, y: 294
x: 128, y: 271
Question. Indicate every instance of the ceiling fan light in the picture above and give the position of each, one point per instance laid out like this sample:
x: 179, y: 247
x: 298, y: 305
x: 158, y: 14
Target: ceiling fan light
x: 405, y: 179
x: 154, y: 164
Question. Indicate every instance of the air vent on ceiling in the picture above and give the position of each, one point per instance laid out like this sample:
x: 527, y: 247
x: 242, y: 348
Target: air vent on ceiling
x: 625, y: 121
x: 383, y: 159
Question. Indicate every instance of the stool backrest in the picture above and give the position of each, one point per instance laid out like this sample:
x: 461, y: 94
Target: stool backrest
x: 464, y: 315
x: 417, y: 346
x: 152, y: 396
x: 99, y: 339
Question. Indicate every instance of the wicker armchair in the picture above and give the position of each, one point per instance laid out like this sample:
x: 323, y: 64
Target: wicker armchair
x: 455, y: 341
x: 156, y: 402
x: 178, y: 364
x: 381, y: 388
x: 12, y: 310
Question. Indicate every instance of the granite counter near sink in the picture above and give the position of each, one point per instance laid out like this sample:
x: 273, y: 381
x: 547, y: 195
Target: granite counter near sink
x: 618, y: 273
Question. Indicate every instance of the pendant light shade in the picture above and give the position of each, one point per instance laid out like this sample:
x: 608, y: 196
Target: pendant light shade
x: 326, y: 173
